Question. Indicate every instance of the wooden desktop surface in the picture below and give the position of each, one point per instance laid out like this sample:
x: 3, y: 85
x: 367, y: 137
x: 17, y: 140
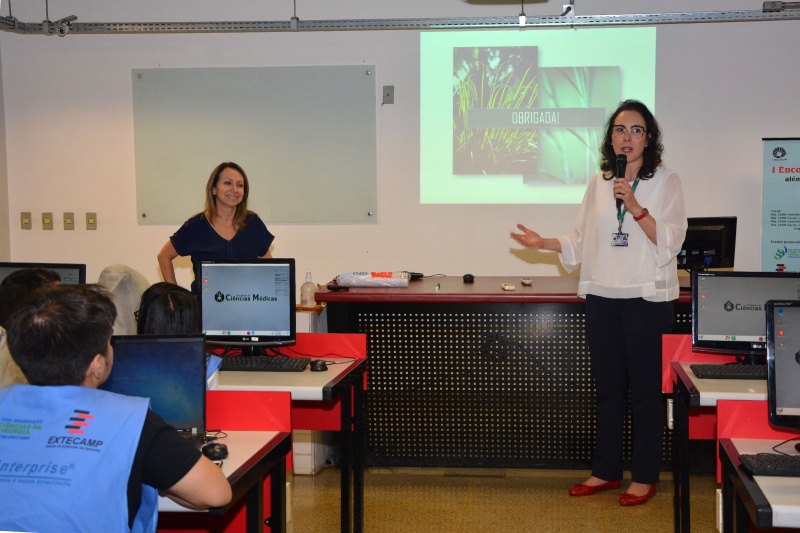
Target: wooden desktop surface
x: 485, y: 289
x: 244, y: 448
x: 305, y: 385
x: 780, y: 492
x: 710, y: 391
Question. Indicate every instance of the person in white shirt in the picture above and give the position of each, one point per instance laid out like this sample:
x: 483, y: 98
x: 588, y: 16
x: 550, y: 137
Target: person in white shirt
x: 627, y: 252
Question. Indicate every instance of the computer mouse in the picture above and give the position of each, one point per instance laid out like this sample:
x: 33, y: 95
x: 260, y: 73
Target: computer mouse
x: 469, y: 278
x: 318, y: 365
x: 215, y: 451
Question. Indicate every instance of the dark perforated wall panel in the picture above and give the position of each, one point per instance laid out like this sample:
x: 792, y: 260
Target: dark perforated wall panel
x: 491, y: 385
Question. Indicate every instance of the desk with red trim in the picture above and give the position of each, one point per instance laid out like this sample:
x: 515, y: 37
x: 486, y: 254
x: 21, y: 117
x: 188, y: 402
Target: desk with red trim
x: 766, y: 502
x: 330, y: 400
x: 468, y: 374
x: 254, y: 456
x: 693, y: 397
x: 258, y: 439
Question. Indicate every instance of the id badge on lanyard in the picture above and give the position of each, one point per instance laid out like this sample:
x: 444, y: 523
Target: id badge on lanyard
x: 619, y: 238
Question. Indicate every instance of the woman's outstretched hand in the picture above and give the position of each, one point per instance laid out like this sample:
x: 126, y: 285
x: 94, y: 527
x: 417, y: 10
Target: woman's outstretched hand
x: 528, y: 238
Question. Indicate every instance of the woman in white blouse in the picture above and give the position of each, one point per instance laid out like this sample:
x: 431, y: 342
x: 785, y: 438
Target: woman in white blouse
x: 627, y: 252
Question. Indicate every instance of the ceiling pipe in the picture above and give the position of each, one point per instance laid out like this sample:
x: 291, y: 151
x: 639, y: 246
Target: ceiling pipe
x: 11, y: 24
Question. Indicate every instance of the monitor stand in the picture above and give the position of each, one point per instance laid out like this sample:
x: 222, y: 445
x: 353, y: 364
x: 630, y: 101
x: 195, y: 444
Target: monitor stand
x: 250, y: 350
x: 751, y: 359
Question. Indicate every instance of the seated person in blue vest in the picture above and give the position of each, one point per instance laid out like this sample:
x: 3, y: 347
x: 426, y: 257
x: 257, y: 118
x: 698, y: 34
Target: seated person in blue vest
x: 74, y: 458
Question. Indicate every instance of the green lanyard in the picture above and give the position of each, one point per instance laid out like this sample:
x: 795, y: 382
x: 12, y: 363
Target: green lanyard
x: 621, y: 212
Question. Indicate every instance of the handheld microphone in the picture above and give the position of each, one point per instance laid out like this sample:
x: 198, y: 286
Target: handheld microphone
x: 622, y: 163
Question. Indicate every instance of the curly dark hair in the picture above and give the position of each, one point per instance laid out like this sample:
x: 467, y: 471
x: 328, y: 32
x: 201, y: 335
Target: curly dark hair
x: 652, y: 150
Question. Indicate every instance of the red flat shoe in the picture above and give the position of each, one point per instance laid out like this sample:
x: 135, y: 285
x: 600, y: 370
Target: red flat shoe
x: 628, y: 500
x: 579, y: 489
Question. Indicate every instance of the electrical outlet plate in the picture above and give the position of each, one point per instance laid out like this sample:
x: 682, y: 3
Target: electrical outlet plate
x: 388, y: 94
x: 47, y: 221
x: 25, y: 220
x: 91, y: 221
x: 69, y: 220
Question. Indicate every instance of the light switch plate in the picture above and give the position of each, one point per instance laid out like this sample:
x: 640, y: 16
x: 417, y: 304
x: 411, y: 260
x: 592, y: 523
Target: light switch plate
x: 47, y: 221
x: 91, y: 221
x: 69, y: 220
x: 25, y: 220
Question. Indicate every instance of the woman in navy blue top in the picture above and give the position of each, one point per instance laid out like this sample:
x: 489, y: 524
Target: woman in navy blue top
x: 225, y: 230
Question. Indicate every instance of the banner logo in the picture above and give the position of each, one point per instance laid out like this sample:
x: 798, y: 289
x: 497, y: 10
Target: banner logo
x: 779, y: 152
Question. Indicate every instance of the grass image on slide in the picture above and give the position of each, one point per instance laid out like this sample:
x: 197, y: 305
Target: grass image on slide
x: 494, y: 78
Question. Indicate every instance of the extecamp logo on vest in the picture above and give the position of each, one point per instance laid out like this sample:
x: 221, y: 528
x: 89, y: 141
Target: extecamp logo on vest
x: 79, y: 421
x: 222, y: 297
x: 77, y: 425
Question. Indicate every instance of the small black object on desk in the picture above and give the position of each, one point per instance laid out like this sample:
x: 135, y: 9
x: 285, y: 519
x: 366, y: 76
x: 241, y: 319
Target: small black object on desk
x: 318, y: 365
x: 469, y: 278
x: 215, y: 451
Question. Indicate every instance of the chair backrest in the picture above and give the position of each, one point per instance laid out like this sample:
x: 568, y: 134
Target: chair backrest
x: 126, y: 285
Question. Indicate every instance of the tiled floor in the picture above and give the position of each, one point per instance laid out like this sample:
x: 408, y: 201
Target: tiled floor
x: 410, y: 500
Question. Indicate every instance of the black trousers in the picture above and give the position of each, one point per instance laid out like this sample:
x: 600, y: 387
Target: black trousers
x: 624, y: 337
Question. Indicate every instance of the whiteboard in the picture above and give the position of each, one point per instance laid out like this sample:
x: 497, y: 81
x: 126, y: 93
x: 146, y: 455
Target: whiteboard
x: 305, y: 136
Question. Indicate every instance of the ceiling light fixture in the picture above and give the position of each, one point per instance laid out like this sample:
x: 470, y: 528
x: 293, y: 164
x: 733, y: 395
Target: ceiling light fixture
x: 780, y: 6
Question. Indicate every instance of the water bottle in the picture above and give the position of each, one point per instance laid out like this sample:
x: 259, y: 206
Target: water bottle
x: 307, y: 292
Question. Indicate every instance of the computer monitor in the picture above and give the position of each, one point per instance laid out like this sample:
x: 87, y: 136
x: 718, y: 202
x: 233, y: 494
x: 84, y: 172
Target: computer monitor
x: 728, y: 310
x: 710, y: 243
x: 783, y: 363
x: 168, y: 369
x: 71, y: 274
x: 248, y: 302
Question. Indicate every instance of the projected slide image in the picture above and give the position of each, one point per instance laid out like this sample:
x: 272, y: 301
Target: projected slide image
x: 493, y: 89
x: 519, y: 117
x: 509, y: 116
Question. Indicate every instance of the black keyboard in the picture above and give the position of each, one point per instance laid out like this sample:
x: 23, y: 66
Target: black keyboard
x: 733, y: 371
x: 771, y: 464
x: 263, y: 363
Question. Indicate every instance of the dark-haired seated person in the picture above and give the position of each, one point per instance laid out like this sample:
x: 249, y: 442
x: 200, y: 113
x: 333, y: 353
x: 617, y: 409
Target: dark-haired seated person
x: 167, y: 309
x: 74, y: 458
x: 13, y: 290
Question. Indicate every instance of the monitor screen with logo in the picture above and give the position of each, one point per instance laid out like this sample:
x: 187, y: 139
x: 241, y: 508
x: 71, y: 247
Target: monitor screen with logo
x: 728, y: 309
x: 248, y: 302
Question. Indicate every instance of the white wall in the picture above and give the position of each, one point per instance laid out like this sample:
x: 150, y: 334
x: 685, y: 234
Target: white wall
x: 5, y: 244
x: 69, y: 130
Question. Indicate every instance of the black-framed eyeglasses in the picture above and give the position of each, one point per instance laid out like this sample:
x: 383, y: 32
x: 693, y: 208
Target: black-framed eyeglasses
x: 636, y: 132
